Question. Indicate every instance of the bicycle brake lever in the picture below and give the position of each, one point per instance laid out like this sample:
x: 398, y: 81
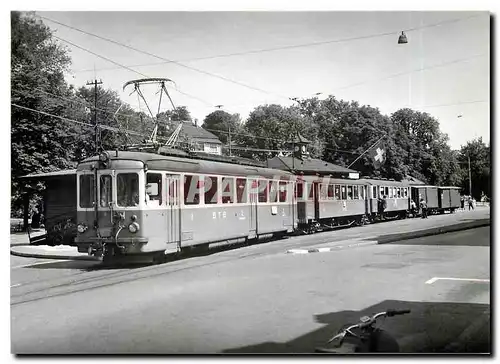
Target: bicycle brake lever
x: 338, y: 336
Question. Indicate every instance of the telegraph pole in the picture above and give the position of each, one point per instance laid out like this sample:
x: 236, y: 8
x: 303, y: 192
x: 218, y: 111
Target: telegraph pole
x: 96, y: 124
x: 470, y: 179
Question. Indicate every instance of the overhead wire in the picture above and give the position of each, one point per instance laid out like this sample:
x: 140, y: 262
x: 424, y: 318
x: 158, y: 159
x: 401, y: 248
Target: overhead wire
x: 168, y: 60
x: 279, y: 48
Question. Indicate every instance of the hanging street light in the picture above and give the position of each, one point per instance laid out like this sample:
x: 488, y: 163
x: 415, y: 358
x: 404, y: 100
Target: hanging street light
x: 402, y: 38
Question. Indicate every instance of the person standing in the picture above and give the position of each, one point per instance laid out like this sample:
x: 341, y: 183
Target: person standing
x: 423, y: 206
x: 462, y: 202
x: 471, y: 203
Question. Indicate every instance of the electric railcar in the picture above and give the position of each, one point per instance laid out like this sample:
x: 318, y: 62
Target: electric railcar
x: 134, y: 202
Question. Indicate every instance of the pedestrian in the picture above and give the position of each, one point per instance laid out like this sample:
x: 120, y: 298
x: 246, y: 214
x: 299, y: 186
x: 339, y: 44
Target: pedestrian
x: 471, y: 204
x: 383, y: 207
x: 462, y: 202
x: 413, y: 208
x: 423, y: 206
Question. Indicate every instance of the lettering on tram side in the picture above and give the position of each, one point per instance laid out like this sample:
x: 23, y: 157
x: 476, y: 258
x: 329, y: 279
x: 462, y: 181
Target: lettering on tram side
x: 242, y: 215
x: 219, y: 215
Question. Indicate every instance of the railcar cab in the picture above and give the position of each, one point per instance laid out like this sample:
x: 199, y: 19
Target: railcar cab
x: 111, y: 203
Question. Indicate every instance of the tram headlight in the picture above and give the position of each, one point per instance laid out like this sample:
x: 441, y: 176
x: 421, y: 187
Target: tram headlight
x: 133, y: 227
x: 81, y: 228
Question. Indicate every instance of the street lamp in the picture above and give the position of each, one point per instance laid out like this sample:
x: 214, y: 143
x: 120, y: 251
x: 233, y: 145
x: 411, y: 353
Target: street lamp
x: 402, y: 38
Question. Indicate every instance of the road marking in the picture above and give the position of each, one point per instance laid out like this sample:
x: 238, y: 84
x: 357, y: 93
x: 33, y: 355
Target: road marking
x: 329, y: 249
x: 41, y: 263
x: 15, y: 285
x: 432, y: 280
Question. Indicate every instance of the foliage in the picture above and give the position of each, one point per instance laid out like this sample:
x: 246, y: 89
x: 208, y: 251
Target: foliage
x: 221, y: 123
x: 38, y: 142
x: 480, y: 167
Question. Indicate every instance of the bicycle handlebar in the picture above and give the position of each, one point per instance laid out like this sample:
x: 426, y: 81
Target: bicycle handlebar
x: 369, y: 322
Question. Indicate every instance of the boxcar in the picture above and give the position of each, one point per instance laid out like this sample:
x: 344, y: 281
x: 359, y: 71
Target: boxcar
x: 429, y: 193
x: 134, y: 202
x: 449, y: 198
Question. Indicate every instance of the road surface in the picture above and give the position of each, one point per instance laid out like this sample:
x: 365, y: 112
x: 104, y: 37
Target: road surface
x: 259, y: 299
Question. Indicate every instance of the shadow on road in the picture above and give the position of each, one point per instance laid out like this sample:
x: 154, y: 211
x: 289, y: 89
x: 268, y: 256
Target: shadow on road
x: 431, y: 327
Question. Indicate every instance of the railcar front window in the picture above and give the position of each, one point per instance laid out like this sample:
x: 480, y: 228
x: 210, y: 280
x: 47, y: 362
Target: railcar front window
x: 153, y: 187
x: 127, y: 185
x: 87, y: 191
x: 283, y: 191
x: 105, y: 190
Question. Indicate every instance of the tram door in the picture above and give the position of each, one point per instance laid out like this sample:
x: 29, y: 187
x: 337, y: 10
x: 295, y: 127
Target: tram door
x: 253, y: 198
x: 173, y: 214
x: 374, y: 194
x: 316, y: 200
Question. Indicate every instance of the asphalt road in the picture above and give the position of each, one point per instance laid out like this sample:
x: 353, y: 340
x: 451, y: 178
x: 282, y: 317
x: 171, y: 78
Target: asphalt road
x: 259, y: 300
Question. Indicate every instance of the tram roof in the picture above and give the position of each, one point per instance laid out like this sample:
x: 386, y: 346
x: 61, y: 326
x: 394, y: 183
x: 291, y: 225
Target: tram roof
x: 190, y: 165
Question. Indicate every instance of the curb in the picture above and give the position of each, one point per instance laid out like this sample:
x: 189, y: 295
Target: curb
x: 49, y: 256
x: 385, y: 239
x: 329, y: 249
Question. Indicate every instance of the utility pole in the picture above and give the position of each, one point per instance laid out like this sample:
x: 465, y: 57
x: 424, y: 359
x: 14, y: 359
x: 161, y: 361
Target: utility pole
x: 470, y: 179
x: 229, y: 139
x: 96, y: 124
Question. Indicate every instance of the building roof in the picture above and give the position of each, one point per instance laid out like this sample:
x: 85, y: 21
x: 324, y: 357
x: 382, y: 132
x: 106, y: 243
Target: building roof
x: 299, y: 139
x: 307, y: 165
x: 66, y: 172
x: 412, y: 180
x: 197, y: 133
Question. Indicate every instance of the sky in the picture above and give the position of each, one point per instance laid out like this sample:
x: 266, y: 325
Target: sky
x: 444, y: 69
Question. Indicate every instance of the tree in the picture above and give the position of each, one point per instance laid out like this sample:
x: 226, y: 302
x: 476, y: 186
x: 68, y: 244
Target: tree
x: 221, y: 123
x: 271, y: 127
x: 38, y: 142
x: 425, y: 149
x: 480, y: 165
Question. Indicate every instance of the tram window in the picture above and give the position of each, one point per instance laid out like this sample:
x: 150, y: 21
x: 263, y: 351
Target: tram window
x: 310, y: 186
x: 356, y: 192
x: 337, y: 192
x: 344, y: 193
x: 241, y: 190
x: 362, y: 192
x: 330, y: 192
x: 406, y: 192
x: 391, y: 192
x: 210, y: 187
x: 227, y: 190
x: 386, y: 191
x: 323, y: 191
x: 299, y: 190
x: 127, y: 185
x: 153, y: 187
x: 349, y: 192
x: 273, y: 191
x: 262, y: 190
x: 87, y: 190
x: 191, y: 190
x: 399, y: 192
x: 283, y: 186
x: 374, y: 191
x: 105, y: 191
